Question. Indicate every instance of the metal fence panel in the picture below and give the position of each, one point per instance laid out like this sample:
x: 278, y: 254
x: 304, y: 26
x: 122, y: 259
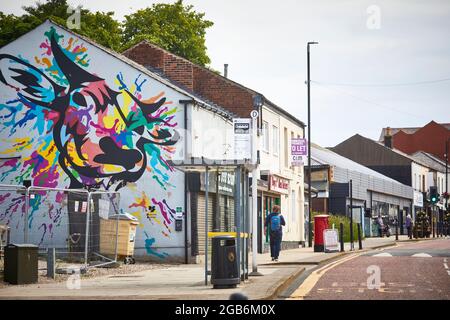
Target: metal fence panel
x: 104, y: 234
x: 82, y: 226
x: 13, y: 211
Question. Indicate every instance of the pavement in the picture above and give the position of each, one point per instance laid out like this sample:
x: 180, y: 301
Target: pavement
x: 186, y: 282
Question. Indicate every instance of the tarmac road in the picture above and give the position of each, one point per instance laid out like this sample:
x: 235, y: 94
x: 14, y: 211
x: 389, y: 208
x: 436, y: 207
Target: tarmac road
x: 418, y: 270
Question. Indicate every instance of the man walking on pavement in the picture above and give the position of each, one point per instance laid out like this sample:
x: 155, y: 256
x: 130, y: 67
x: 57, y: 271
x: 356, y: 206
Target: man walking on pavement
x: 380, y: 226
x: 274, y: 222
x: 408, y: 224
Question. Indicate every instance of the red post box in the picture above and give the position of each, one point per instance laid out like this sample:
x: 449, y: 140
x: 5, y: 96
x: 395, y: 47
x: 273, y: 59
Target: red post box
x: 320, y: 224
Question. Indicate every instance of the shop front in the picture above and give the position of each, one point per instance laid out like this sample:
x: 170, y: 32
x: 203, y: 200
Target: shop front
x: 221, y: 209
x: 271, y: 189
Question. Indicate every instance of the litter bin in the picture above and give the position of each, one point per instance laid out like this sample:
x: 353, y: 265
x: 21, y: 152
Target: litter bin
x: 21, y: 264
x: 224, y: 266
x: 320, y: 224
x: 124, y: 227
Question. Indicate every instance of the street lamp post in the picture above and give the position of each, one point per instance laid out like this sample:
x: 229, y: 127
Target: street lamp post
x: 446, y: 173
x: 309, y: 149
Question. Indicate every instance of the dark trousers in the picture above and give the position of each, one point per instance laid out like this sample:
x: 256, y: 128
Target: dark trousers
x: 409, y: 232
x: 380, y: 232
x: 275, y: 244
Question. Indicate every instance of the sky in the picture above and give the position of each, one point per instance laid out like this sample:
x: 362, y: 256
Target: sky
x: 377, y: 64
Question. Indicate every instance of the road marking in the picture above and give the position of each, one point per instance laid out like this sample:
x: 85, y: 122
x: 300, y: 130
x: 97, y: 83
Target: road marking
x: 314, y: 277
x: 421, y: 255
x: 445, y: 266
x: 384, y: 254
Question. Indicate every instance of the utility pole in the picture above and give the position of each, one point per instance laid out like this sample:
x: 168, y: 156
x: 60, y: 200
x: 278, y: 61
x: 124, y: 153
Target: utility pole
x: 309, y: 148
x: 351, y: 216
x: 446, y: 173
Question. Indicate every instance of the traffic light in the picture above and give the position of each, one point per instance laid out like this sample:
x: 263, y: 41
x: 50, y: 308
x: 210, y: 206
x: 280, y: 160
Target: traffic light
x: 434, y: 196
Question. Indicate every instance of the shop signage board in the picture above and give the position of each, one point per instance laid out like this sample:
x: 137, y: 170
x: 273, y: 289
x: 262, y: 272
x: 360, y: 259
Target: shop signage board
x: 330, y: 240
x: 418, y: 199
x: 225, y: 180
x: 299, y: 151
x: 279, y: 184
x: 242, y: 138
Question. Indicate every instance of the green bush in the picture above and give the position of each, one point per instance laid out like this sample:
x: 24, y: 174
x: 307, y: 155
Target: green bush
x: 337, y: 220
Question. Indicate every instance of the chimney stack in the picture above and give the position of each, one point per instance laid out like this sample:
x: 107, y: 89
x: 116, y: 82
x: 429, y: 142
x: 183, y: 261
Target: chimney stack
x: 388, y: 138
x: 225, y: 70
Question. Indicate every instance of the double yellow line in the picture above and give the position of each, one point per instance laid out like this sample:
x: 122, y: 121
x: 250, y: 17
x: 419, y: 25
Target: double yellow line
x: 315, y: 276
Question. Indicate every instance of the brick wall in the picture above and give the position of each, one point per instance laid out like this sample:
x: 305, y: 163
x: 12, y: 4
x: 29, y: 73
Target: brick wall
x: 206, y: 83
x: 175, y: 68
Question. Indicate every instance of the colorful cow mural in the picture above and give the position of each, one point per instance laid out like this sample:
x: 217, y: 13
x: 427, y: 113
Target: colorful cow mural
x: 81, y: 118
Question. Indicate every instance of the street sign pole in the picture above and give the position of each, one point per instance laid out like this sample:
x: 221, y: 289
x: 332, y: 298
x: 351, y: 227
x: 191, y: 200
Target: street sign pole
x: 255, y: 176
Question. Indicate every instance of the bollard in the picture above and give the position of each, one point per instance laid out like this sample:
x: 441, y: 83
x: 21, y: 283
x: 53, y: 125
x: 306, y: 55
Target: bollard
x: 359, y: 236
x: 396, y: 231
x: 8, y: 235
x: 341, y: 236
x: 434, y: 226
x: 51, y: 259
x: 423, y: 229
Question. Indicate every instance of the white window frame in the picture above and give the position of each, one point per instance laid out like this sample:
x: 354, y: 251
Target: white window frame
x: 276, y: 140
x: 265, y: 134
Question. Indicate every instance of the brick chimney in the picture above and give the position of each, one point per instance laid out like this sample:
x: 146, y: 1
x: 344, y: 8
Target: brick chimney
x: 175, y: 68
x: 388, y: 138
x: 201, y: 80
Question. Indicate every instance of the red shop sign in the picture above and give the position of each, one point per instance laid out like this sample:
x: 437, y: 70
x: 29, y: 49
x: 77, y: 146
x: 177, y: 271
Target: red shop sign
x: 279, y: 184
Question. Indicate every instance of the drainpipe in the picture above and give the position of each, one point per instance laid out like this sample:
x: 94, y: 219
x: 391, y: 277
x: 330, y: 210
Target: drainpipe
x: 186, y: 103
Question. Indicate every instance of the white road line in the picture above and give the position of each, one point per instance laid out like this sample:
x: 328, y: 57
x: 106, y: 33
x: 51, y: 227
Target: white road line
x: 421, y: 255
x: 384, y: 254
x: 445, y: 266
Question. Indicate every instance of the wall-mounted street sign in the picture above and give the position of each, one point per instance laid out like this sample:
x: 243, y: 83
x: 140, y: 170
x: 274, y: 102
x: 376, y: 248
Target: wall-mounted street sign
x: 254, y: 114
x: 242, y: 138
x: 299, y: 149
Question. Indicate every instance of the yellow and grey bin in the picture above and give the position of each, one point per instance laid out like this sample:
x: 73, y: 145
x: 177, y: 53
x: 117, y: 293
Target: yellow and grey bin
x: 117, y: 235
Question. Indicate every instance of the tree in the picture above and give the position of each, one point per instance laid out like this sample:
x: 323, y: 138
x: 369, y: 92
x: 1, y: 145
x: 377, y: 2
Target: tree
x: 174, y: 27
x: 99, y: 26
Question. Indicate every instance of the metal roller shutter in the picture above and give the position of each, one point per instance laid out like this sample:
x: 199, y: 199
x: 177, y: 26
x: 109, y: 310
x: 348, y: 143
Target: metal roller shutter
x: 226, y: 214
x: 201, y: 213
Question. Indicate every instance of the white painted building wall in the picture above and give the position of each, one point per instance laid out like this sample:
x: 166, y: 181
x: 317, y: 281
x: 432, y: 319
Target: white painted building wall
x: 276, y: 159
